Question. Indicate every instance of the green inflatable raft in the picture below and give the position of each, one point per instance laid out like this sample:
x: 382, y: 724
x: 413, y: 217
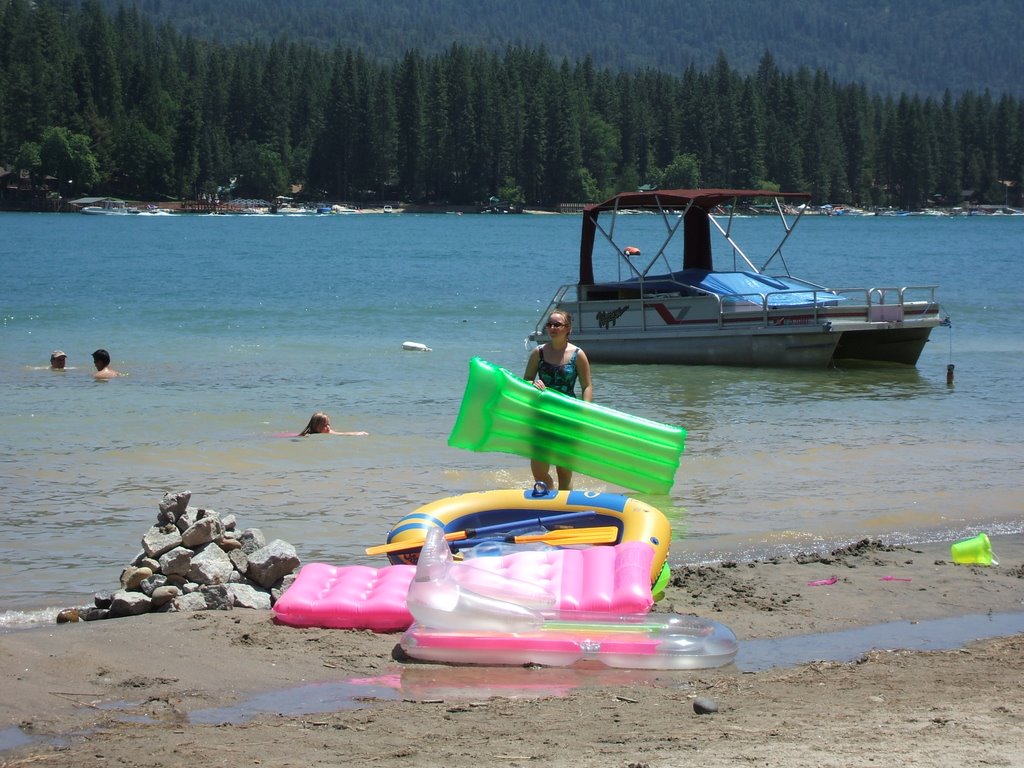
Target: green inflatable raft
x: 501, y: 412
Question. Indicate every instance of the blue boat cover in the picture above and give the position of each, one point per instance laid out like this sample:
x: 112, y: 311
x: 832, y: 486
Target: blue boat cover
x: 737, y: 286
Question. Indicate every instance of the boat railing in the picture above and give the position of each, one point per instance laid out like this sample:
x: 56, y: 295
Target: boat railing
x: 777, y: 306
x: 824, y: 305
x: 894, y: 295
x: 871, y: 304
x: 888, y: 304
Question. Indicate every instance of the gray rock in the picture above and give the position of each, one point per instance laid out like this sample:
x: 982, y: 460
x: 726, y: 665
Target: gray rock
x: 704, y: 706
x: 211, y: 565
x: 194, y: 601
x: 252, y: 539
x: 125, y: 603
x: 132, y: 577
x: 176, y: 562
x: 286, y: 582
x: 240, y: 560
x: 270, y: 563
x: 157, y: 541
x: 152, y: 583
x: 194, y: 559
x: 163, y: 595
x: 247, y: 596
x: 281, y: 587
x: 228, y: 544
x: 171, y: 507
x: 187, y: 518
x: 175, y: 503
x: 202, y: 531
x: 218, y: 598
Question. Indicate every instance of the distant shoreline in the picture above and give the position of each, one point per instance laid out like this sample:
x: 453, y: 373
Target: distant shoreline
x: 203, y: 208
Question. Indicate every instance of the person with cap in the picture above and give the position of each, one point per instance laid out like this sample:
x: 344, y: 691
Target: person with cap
x: 58, y: 360
x: 101, y: 359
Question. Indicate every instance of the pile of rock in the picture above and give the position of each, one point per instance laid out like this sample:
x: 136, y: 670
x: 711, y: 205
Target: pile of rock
x: 196, y: 560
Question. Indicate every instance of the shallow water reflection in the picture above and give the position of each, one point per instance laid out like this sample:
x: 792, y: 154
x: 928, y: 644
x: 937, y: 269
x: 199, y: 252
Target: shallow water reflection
x: 431, y: 682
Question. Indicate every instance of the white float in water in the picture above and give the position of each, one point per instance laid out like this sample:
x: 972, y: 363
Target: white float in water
x: 415, y: 346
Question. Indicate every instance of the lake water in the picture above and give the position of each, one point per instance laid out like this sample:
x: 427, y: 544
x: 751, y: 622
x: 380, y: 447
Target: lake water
x: 235, y: 329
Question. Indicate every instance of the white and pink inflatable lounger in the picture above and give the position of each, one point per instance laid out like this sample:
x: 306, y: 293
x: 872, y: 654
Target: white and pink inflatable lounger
x: 503, y: 620
x: 651, y: 641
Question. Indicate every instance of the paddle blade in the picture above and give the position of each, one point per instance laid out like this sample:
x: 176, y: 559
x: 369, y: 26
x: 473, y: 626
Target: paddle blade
x: 598, y: 535
x: 407, y: 544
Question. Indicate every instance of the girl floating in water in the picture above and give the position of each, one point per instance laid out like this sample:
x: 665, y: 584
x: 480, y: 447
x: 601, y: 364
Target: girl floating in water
x: 320, y: 424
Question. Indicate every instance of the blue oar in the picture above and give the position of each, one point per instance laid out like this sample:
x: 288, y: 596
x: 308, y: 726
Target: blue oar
x: 514, y: 525
x: 485, y: 530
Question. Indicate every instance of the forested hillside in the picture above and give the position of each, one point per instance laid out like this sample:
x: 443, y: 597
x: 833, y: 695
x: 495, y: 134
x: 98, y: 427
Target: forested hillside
x: 98, y: 104
x: 917, y: 47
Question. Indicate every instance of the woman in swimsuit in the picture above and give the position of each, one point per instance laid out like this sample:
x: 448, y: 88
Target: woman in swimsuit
x: 558, y: 365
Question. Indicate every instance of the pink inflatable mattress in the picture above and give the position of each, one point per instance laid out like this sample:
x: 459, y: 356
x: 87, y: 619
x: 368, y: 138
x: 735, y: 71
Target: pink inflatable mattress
x: 610, y: 579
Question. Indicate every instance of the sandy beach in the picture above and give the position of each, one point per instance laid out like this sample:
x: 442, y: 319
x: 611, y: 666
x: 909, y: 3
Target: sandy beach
x: 234, y: 688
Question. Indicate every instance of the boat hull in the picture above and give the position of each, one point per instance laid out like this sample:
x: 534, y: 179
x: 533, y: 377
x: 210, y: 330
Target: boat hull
x: 707, y: 331
x: 95, y: 210
x: 887, y: 345
x: 812, y: 349
x: 809, y: 348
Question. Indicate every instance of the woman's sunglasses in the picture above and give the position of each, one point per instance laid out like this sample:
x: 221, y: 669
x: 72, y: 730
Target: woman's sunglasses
x: 553, y: 324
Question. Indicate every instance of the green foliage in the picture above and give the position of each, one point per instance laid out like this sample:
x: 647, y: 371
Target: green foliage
x: 511, y: 193
x: 914, y: 46
x: 261, y: 172
x: 67, y: 157
x: 29, y: 159
x: 124, y: 107
x: 149, y: 156
x: 682, y: 173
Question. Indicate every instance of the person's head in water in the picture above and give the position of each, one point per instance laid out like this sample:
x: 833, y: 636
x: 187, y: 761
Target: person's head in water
x: 101, y: 358
x: 319, y: 423
x: 58, y: 360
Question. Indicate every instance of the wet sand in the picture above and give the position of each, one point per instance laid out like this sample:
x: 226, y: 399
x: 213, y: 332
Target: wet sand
x: 234, y: 688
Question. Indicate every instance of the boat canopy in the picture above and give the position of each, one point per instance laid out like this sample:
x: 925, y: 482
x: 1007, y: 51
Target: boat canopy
x: 735, y: 287
x: 695, y: 206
